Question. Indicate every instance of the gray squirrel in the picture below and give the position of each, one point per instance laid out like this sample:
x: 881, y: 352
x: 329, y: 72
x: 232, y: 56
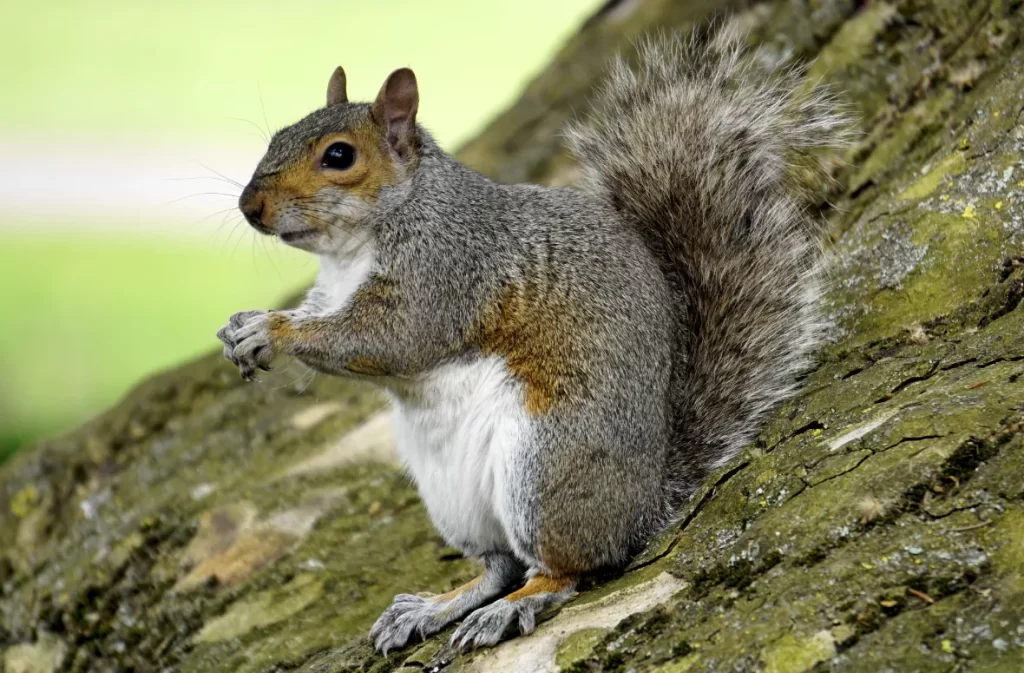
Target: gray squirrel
x: 564, y: 365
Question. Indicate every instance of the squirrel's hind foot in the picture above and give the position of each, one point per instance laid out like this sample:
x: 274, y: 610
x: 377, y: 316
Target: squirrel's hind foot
x: 410, y: 617
x: 515, y: 614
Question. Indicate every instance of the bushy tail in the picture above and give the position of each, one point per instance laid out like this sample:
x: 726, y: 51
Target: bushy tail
x: 695, y: 149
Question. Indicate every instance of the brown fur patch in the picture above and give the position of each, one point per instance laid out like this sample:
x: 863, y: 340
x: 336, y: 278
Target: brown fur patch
x: 540, y: 584
x: 542, y: 342
x: 372, y: 309
x: 458, y: 591
x: 286, y: 333
x: 280, y: 327
x: 373, y: 169
x: 367, y: 366
x: 376, y: 298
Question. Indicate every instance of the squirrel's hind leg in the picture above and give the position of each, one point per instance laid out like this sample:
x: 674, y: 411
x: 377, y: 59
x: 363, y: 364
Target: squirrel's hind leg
x: 411, y: 616
x: 515, y: 613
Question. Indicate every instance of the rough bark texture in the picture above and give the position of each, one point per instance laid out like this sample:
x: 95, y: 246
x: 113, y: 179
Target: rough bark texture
x: 877, y: 524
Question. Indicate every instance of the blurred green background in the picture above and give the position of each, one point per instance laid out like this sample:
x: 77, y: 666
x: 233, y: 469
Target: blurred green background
x: 120, y: 250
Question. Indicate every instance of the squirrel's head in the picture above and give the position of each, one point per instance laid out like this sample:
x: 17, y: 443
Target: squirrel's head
x: 322, y: 176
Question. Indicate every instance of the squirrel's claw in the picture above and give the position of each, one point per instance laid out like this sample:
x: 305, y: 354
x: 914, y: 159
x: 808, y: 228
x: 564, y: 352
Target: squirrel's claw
x: 491, y: 624
x: 247, y: 343
x: 407, y: 618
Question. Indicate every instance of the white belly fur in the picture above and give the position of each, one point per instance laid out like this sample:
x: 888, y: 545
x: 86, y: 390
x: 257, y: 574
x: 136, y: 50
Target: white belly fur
x: 460, y: 430
x: 341, y: 275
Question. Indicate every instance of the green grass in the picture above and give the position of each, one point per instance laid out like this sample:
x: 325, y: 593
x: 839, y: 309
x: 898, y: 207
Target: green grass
x: 87, y: 66
x: 86, y: 314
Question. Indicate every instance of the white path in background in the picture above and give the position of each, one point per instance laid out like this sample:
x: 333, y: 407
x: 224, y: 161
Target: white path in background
x: 128, y: 183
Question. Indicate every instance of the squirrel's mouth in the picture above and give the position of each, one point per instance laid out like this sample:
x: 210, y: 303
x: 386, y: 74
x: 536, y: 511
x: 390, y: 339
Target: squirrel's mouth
x: 295, y: 236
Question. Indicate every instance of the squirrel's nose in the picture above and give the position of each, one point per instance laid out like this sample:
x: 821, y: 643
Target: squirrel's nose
x: 251, y: 205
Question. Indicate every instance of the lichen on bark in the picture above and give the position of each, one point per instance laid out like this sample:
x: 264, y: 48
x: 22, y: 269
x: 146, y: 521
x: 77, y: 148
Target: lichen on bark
x: 206, y: 524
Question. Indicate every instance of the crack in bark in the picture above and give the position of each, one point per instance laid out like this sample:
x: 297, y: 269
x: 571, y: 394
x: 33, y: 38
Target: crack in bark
x: 989, y: 363
x: 1014, y: 295
x: 906, y: 383
x: 802, y: 430
x: 873, y: 452
x: 935, y: 368
x: 834, y: 476
x: 958, y: 364
x: 903, y: 441
x: 698, y: 508
x: 984, y: 154
x: 939, y: 517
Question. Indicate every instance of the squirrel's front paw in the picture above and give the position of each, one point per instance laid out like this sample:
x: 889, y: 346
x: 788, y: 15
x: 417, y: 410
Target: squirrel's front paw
x: 248, y: 342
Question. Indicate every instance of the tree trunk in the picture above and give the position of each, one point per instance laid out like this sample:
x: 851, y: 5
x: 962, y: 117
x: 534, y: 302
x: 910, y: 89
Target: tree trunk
x: 206, y: 524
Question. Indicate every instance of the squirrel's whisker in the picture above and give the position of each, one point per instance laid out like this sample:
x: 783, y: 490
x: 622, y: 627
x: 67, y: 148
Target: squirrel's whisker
x: 225, y: 213
x: 218, y: 173
x: 205, y: 177
x: 348, y: 230
x: 198, y: 194
x: 263, y: 135
x: 263, y: 108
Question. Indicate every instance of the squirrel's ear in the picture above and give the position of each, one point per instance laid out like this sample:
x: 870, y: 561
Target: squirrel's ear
x: 395, y: 108
x: 336, y: 93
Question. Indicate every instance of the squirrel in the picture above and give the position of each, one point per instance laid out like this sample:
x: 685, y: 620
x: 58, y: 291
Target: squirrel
x: 564, y: 365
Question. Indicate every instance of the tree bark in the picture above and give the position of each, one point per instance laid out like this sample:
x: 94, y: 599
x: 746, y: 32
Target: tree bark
x: 206, y: 524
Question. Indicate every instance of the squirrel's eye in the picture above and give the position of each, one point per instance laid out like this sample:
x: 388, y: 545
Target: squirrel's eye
x: 339, y: 156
